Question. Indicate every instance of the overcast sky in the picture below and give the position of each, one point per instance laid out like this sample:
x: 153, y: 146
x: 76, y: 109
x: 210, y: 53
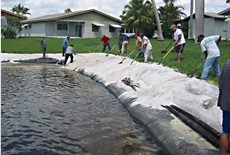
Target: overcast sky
x: 111, y: 7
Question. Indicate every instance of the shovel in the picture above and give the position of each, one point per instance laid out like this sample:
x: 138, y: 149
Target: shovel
x: 135, y: 57
x: 190, y: 76
x: 166, y: 55
x: 111, y: 49
x: 94, y: 49
x: 164, y: 51
x: 127, y: 56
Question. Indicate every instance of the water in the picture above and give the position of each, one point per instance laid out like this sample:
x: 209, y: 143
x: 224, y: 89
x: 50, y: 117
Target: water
x: 48, y: 110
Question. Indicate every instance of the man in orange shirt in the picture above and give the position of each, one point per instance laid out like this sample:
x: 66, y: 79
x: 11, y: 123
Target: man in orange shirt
x: 105, y: 41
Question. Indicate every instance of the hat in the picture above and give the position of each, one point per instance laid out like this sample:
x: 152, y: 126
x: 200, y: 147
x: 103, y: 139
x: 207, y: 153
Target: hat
x: 141, y: 35
x: 199, y: 37
x: 172, y: 26
x: 178, y: 25
x: 103, y: 35
x: 135, y: 34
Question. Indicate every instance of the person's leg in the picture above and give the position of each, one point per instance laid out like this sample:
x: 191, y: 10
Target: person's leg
x: 126, y: 47
x: 224, y: 139
x: 66, y: 58
x: 103, y: 48
x: 139, y: 55
x: 122, y: 48
x: 207, y: 67
x: 150, y: 55
x: 216, y: 67
x: 63, y: 51
x: 109, y: 47
x: 120, y: 45
x: 44, y: 51
x: 146, y: 55
x: 71, y: 56
x: 179, y: 51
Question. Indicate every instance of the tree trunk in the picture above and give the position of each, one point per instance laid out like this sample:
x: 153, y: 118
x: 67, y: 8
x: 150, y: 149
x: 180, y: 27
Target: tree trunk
x: 199, y: 6
x: 191, y: 22
x: 160, y: 34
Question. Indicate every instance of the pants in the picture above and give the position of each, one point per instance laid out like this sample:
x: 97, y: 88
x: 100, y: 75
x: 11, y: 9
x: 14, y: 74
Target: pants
x: 120, y: 46
x: 148, y: 55
x: 67, y: 57
x: 63, y: 51
x: 44, y: 50
x: 124, y: 45
x: 142, y: 52
x: 211, y: 62
x: 105, y: 47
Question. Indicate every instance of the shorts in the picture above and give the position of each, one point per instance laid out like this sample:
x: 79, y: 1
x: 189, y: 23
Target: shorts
x: 179, y: 48
x: 226, y: 122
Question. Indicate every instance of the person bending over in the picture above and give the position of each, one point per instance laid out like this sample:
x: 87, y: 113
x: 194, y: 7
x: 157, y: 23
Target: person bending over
x: 69, y: 53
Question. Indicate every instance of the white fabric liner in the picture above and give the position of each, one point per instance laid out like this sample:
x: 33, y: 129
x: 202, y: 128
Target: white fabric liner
x: 227, y: 20
x: 98, y: 24
x: 115, y: 26
x: 25, y: 25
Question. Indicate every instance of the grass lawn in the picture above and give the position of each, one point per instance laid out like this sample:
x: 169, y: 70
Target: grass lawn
x: 191, y: 57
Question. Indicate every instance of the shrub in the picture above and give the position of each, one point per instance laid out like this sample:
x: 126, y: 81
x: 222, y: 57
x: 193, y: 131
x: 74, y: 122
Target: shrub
x: 11, y: 28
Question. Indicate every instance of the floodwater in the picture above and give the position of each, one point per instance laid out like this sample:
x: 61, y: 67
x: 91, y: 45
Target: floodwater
x: 48, y: 110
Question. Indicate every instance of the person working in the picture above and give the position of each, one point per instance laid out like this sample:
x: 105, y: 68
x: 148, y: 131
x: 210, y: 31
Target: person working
x: 69, y: 53
x: 139, y: 45
x: 125, y: 41
x: 179, y: 41
x: 105, y: 41
x: 64, y: 45
x: 212, y: 54
x: 119, y: 41
x: 224, y: 104
x: 43, y: 44
x: 147, y: 48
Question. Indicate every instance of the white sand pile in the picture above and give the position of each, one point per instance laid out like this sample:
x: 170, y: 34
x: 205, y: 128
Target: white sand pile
x: 159, y: 85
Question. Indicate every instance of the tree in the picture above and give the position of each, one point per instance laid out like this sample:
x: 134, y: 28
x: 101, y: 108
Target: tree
x: 227, y: 1
x: 169, y: 13
x: 12, y: 27
x: 68, y: 10
x: 20, y: 9
x: 140, y: 16
x: 160, y: 34
x: 199, y: 9
x: 191, y: 22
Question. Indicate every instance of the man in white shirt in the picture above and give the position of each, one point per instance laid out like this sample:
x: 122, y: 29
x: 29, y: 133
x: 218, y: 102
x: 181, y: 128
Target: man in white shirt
x: 179, y: 40
x: 69, y: 53
x: 147, y: 47
x: 209, y: 47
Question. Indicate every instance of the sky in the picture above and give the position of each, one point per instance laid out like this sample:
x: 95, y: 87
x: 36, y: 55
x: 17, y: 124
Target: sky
x: 111, y: 7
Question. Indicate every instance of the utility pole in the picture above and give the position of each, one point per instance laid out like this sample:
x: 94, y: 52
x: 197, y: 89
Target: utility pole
x: 199, y: 10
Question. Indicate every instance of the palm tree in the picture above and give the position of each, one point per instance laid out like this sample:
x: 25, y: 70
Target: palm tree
x: 139, y: 15
x: 25, y: 11
x: 199, y: 9
x: 68, y: 10
x: 17, y: 9
x: 160, y: 34
x: 191, y: 22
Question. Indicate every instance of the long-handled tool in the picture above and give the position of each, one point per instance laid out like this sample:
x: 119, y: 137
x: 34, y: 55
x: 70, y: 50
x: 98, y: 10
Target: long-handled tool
x: 111, y: 49
x: 190, y: 76
x: 95, y: 48
x: 166, y: 55
x: 164, y: 51
x: 127, y: 56
x: 135, y: 57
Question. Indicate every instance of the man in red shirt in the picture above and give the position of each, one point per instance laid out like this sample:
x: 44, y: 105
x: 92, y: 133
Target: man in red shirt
x: 105, y: 41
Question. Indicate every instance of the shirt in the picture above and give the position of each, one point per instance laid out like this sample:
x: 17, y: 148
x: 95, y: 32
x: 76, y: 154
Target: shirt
x: 70, y: 50
x: 42, y: 41
x: 105, y: 39
x: 176, y: 37
x: 224, y: 96
x: 209, y: 44
x: 146, y: 41
x: 65, y: 43
x: 125, y: 38
x: 139, y: 40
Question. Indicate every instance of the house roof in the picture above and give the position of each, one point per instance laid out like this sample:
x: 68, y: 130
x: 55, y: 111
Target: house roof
x: 3, y: 12
x: 208, y: 15
x: 225, y: 12
x: 57, y: 16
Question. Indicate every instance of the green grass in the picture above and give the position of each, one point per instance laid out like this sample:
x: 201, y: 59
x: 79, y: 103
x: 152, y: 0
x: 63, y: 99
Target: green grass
x: 191, y: 57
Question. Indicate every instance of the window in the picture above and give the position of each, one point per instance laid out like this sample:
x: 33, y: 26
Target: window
x: 111, y: 29
x: 95, y: 28
x: 25, y: 27
x: 62, y: 27
x: 30, y: 26
x: 225, y: 26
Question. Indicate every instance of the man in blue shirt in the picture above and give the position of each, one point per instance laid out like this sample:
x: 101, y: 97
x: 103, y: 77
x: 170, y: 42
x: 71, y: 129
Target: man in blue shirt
x: 119, y: 40
x: 125, y: 41
x: 64, y: 45
x: 43, y: 44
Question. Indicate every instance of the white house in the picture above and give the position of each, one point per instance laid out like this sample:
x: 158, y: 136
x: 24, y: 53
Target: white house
x: 226, y: 13
x: 214, y: 24
x: 84, y: 24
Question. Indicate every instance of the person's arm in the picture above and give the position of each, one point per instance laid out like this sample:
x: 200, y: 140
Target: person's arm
x: 206, y: 54
x: 173, y: 36
x: 40, y: 42
x: 129, y: 39
x: 179, y: 38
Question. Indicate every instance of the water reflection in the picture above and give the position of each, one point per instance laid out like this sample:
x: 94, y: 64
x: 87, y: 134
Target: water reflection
x: 46, y: 110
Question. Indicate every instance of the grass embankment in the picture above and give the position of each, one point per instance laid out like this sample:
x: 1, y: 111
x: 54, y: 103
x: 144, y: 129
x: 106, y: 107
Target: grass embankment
x: 191, y: 57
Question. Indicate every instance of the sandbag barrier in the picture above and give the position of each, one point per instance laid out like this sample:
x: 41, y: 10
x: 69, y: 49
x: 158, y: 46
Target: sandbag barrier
x: 155, y: 121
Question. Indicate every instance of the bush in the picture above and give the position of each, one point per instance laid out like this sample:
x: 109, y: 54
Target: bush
x: 11, y: 28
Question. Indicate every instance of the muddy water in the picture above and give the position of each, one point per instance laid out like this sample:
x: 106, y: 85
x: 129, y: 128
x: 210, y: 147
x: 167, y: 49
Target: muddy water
x: 48, y: 110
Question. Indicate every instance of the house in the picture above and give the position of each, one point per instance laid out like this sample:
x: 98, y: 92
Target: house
x: 214, y: 24
x: 5, y: 13
x: 83, y: 24
x: 226, y: 12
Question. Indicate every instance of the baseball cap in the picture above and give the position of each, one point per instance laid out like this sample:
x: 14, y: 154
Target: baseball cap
x: 172, y: 26
x: 178, y: 25
x: 199, y: 37
x: 135, y: 34
x: 141, y: 35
